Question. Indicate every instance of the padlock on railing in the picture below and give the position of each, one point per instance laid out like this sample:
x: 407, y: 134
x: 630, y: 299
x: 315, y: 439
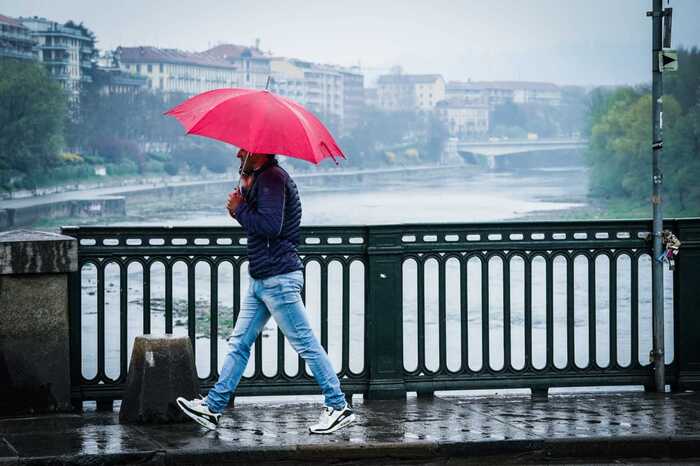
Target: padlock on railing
x: 671, y: 247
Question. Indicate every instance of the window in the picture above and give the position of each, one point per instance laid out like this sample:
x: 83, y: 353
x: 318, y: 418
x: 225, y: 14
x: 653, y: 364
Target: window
x: 138, y: 68
x: 150, y: 68
x: 160, y: 69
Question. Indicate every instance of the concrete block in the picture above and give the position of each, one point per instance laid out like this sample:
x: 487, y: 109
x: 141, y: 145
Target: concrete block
x: 29, y: 252
x: 34, y: 343
x: 34, y: 329
x: 161, y: 369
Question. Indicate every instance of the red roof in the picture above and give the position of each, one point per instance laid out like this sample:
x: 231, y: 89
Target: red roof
x: 10, y: 21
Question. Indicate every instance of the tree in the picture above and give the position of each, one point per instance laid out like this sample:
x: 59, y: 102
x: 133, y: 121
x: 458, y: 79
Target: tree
x: 32, y: 112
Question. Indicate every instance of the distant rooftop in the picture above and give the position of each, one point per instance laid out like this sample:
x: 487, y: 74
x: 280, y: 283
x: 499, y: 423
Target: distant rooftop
x: 157, y: 55
x: 45, y: 26
x: 479, y: 85
x: 11, y: 21
x: 227, y: 52
x: 221, y: 56
x: 408, y: 78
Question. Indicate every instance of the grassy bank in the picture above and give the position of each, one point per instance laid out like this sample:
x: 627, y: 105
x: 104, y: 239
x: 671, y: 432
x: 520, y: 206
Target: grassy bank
x: 612, y: 209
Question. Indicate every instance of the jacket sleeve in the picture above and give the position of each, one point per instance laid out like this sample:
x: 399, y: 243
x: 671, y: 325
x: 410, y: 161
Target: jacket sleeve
x: 267, y: 218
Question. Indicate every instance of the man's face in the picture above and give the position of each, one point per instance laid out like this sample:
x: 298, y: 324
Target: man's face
x: 254, y: 160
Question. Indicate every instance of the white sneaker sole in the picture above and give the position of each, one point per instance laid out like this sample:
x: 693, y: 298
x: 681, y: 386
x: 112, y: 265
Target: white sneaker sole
x: 181, y: 403
x: 348, y: 420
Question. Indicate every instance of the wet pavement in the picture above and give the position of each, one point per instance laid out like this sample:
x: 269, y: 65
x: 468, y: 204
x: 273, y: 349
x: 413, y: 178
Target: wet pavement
x: 617, y: 428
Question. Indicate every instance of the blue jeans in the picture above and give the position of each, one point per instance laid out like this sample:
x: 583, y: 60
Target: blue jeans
x: 279, y: 296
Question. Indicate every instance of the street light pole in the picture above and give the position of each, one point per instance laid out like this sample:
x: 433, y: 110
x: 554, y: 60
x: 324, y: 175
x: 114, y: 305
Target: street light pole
x: 657, y: 290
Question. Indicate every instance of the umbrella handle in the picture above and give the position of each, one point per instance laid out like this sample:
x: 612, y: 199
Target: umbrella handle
x: 240, y: 175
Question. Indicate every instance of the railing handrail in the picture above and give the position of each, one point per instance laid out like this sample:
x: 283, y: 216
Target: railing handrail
x: 383, y: 250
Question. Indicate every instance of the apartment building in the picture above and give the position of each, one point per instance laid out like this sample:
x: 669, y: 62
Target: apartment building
x: 332, y: 92
x: 496, y: 93
x: 410, y: 91
x: 464, y: 118
x: 16, y: 40
x: 67, y: 50
x: 172, y: 70
x: 353, y: 97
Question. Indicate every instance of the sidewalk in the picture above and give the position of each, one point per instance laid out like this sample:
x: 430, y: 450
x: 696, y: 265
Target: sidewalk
x: 619, y: 427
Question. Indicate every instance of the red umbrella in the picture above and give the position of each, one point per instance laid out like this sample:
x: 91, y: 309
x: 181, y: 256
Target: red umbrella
x: 257, y: 121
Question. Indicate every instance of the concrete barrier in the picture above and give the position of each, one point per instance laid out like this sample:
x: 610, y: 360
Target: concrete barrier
x: 161, y: 369
x: 34, y: 330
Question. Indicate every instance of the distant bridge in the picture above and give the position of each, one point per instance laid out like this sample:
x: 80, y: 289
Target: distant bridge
x: 491, y: 150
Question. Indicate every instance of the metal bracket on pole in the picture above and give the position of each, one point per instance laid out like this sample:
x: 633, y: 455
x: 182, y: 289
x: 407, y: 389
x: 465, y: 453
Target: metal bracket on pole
x: 668, y: 18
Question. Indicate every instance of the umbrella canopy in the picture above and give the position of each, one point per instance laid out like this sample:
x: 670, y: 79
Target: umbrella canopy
x: 258, y: 121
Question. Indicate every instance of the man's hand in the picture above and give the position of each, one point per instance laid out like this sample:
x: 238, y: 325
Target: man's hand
x: 234, y: 200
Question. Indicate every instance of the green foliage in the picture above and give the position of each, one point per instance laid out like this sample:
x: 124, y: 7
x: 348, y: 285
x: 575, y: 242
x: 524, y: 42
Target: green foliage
x: 197, y: 153
x: 381, y: 131
x: 32, y: 111
x: 620, y: 141
x: 516, y: 120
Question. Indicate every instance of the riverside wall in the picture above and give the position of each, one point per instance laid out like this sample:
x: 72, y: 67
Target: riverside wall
x: 119, y: 202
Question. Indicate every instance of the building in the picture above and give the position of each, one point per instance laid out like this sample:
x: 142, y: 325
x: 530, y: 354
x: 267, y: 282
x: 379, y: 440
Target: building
x: 353, y: 97
x: 16, y: 40
x: 172, y: 70
x: 464, y: 119
x: 410, y: 91
x: 252, y: 65
x: 371, y: 97
x: 110, y: 79
x: 288, y: 79
x: 496, y: 93
x: 537, y: 92
x: 334, y: 93
x: 67, y: 51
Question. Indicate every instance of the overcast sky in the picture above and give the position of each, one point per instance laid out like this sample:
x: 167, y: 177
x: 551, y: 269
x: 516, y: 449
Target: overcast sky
x: 562, y: 41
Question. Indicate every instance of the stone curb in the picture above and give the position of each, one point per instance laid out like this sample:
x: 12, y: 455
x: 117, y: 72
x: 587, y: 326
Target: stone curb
x: 503, y: 451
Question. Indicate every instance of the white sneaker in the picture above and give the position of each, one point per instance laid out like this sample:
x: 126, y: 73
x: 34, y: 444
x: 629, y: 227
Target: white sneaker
x: 198, y: 410
x: 331, y: 420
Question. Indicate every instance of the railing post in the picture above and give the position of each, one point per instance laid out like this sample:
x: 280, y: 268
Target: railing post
x: 687, y: 305
x: 384, y: 314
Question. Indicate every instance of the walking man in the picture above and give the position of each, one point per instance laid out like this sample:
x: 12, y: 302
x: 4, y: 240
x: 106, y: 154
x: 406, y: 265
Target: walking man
x: 269, y: 210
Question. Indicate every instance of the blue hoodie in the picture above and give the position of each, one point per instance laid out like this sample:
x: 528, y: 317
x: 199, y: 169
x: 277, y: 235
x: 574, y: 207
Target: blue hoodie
x: 271, y: 216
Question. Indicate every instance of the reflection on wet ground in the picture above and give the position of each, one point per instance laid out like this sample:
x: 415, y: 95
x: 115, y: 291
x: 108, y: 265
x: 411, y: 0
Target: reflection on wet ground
x: 512, y: 428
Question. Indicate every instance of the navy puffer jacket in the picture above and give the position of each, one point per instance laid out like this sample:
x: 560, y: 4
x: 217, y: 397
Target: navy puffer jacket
x: 271, y: 216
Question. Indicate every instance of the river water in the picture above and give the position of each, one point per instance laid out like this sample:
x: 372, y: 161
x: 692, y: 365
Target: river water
x: 463, y: 196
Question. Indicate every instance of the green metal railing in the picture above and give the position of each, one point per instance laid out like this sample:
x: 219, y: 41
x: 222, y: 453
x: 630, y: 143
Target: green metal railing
x: 401, y: 307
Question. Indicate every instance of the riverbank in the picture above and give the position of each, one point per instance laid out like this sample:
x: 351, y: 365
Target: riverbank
x: 445, y: 429
x: 112, y: 204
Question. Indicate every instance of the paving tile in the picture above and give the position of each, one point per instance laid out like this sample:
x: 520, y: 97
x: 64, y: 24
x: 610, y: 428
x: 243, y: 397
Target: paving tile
x: 85, y: 440
x: 567, y: 416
